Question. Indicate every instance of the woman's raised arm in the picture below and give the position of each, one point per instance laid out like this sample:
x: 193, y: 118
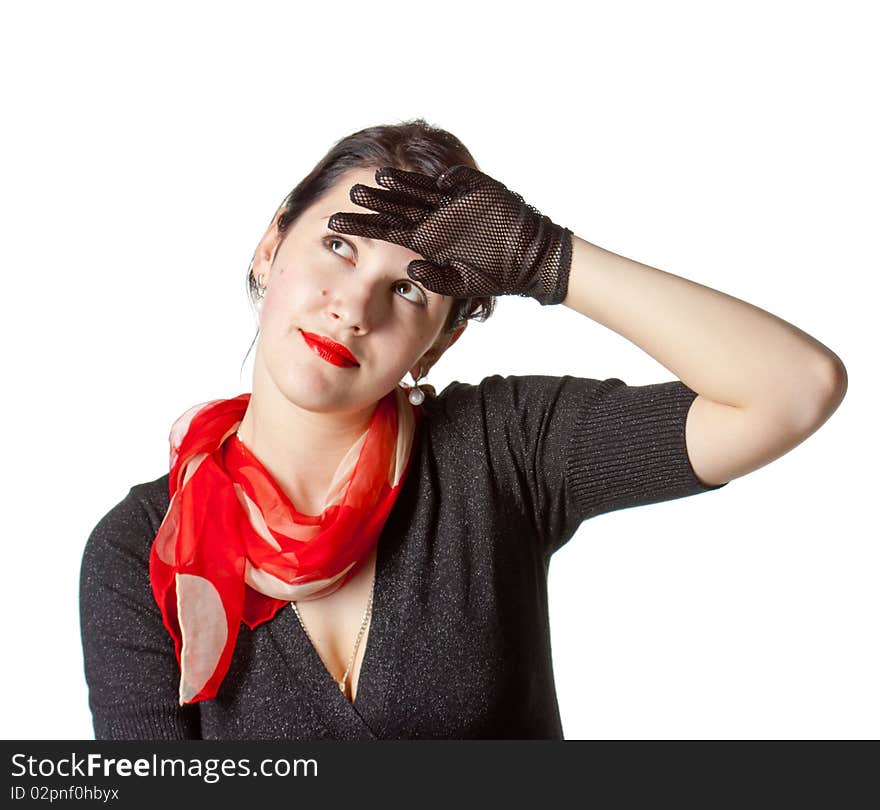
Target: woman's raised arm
x: 763, y: 384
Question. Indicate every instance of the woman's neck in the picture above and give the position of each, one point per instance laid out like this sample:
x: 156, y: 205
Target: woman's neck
x: 301, y: 449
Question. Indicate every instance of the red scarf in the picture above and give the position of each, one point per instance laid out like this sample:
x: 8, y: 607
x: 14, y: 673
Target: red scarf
x: 232, y: 547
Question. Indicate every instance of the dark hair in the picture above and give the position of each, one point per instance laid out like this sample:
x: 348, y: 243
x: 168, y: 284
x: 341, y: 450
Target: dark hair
x: 414, y: 146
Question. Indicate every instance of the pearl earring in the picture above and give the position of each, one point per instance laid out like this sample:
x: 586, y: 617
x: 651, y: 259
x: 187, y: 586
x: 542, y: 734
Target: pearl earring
x: 416, y: 395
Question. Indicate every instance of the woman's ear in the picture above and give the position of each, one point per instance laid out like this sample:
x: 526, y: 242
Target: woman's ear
x: 267, y: 248
x: 459, y: 331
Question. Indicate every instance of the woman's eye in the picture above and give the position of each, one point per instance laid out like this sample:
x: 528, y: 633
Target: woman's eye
x: 418, y: 296
x: 331, y: 240
x: 414, y: 292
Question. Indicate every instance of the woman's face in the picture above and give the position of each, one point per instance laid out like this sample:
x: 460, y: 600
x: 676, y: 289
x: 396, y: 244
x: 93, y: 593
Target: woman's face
x: 352, y: 290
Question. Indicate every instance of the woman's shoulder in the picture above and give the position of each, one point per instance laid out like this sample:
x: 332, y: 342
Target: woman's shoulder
x: 130, y: 525
x: 511, y: 392
x: 153, y: 496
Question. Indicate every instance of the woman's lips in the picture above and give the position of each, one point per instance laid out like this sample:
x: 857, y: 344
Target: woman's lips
x: 325, y: 349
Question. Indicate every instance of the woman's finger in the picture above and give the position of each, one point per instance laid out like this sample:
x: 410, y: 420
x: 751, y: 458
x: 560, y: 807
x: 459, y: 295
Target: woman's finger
x: 388, y: 202
x: 463, y: 176
x: 372, y: 226
x: 448, y: 279
x: 420, y: 186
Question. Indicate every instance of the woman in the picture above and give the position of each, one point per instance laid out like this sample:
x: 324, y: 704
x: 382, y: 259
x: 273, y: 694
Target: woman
x: 386, y: 548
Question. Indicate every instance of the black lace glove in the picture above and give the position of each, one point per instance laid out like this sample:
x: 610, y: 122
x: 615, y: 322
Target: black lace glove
x: 478, y: 237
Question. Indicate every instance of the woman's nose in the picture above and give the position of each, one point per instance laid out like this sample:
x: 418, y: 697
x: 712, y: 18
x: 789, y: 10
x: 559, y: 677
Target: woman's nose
x: 355, y: 304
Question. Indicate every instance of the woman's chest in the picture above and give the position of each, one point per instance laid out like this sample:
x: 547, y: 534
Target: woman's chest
x: 338, y: 626
x: 455, y: 646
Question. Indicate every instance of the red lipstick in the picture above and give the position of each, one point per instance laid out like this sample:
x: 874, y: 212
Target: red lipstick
x: 329, y: 350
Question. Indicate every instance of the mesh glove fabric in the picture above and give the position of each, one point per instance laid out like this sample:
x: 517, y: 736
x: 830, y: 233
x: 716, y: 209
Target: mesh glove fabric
x: 478, y: 237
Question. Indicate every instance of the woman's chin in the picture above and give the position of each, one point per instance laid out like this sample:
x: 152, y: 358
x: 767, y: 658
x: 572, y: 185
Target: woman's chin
x: 326, y: 390
x: 320, y: 398
x: 317, y: 393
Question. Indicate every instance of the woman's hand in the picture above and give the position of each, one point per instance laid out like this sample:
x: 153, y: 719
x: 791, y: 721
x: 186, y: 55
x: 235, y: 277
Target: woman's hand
x: 477, y: 237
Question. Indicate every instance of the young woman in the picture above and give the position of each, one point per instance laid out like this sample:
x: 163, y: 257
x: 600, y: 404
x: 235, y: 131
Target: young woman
x: 340, y: 555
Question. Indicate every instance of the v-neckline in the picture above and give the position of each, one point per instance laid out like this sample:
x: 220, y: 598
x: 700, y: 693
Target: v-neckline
x: 364, y: 641
x: 331, y: 707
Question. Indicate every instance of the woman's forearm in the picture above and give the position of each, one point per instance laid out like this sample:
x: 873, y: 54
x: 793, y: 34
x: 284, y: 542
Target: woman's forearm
x: 721, y: 347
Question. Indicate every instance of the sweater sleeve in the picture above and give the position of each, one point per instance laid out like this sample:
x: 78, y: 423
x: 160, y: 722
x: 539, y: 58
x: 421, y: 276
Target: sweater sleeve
x: 130, y: 666
x: 581, y: 447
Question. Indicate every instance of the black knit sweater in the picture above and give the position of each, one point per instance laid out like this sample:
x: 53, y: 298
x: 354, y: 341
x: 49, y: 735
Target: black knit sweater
x: 502, y: 475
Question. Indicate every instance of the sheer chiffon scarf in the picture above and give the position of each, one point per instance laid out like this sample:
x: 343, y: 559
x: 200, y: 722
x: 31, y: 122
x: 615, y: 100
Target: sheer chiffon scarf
x: 232, y: 547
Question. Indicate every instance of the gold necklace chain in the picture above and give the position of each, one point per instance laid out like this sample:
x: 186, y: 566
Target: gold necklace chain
x: 368, y: 611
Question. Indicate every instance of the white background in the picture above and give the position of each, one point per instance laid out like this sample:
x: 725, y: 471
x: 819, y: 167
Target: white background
x: 735, y: 144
